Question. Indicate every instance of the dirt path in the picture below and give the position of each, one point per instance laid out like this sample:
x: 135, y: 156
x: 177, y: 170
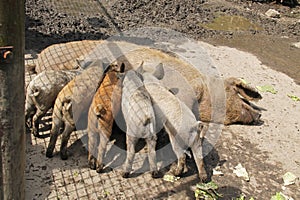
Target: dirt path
x: 270, y: 39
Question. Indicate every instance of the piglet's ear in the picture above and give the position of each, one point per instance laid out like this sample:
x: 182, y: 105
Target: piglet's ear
x: 174, y: 90
x: 140, y: 69
x: 244, y: 90
x: 159, y: 72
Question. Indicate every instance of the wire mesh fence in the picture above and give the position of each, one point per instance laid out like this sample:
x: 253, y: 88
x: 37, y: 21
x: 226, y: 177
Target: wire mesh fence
x: 53, y: 178
x: 57, y: 162
x: 72, y: 179
x: 65, y: 21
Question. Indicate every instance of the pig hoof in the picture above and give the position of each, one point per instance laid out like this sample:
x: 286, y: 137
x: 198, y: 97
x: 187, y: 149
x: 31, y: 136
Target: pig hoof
x: 63, y: 156
x: 203, y: 177
x: 99, y: 168
x: 108, y: 169
x: 28, y: 124
x: 35, y: 133
x: 125, y: 174
x: 156, y: 174
x: 28, y: 129
x: 92, y: 164
x: 178, y: 171
x: 49, y: 154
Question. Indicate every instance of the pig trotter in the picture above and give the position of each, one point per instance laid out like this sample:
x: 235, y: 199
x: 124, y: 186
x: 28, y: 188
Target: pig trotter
x: 64, y: 155
x: 35, y: 132
x: 125, y: 174
x: 49, y: 153
x: 156, y: 174
x: 92, y: 163
x: 203, y: 177
x: 99, y: 168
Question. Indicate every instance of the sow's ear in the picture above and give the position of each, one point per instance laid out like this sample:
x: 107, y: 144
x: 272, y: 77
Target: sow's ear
x: 140, y: 69
x: 246, y: 91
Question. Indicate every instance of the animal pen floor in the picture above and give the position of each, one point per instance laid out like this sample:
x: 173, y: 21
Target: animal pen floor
x: 53, y: 178
x: 267, y: 151
x: 72, y: 179
x: 261, y: 149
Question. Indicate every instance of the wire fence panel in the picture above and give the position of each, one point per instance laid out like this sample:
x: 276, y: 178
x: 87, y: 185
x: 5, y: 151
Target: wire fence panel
x: 59, y: 165
x: 53, y: 178
x: 71, y: 48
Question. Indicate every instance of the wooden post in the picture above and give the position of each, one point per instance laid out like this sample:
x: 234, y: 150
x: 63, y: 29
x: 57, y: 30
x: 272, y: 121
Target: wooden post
x: 12, y: 136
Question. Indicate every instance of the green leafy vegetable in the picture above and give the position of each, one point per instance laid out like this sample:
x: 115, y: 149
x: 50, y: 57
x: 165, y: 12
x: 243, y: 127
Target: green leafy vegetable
x: 278, y: 196
x: 76, y: 173
x: 266, y: 88
x: 293, y: 97
x: 242, y: 197
x: 170, y: 178
x: 207, y: 191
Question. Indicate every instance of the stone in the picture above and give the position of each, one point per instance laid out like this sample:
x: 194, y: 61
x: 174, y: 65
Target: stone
x: 297, y: 45
x: 273, y: 13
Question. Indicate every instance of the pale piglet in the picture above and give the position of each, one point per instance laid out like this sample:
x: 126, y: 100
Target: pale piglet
x: 41, y: 94
x: 140, y: 120
x: 178, y: 120
x: 71, y: 107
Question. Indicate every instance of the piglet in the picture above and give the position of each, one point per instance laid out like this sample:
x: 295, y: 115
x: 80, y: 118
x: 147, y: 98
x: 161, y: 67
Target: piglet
x: 41, y: 94
x: 105, y: 105
x: 71, y: 107
x: 178, y: 120
x: 140, y: 120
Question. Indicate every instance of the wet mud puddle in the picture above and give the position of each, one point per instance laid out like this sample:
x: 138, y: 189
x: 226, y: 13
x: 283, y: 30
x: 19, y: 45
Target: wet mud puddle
x: 274, y: 51
x: 231, y: 23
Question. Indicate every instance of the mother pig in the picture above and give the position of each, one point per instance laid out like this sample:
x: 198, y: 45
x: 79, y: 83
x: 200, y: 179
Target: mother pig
x: 230, y: 97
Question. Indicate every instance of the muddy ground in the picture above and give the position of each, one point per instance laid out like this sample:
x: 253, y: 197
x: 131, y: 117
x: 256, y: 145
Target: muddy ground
x: 266, y: 154
x: 270, y: 39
